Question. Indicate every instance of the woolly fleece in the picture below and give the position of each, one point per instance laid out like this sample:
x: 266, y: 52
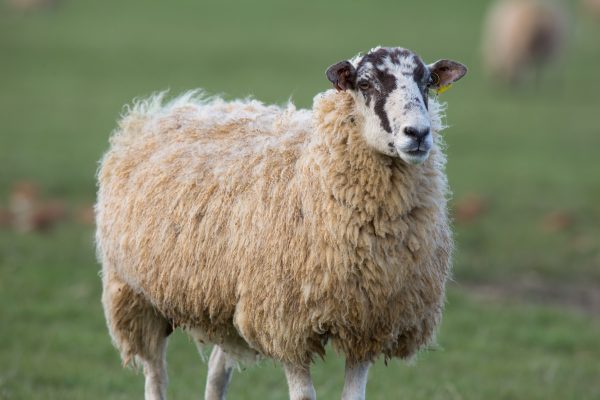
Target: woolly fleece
x: 270, y: 231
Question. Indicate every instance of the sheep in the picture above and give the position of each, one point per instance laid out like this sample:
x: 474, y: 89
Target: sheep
x: 521, y: 37
x: 270, y: 231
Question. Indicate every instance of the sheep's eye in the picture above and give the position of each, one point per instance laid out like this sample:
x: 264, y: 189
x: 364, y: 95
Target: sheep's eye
x: 434, y: 80
x: 364, y: 85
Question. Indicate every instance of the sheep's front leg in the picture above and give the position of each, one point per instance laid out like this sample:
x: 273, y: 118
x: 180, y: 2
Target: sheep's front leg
x: 299, y: 382
x: 355, y: 382
x: 220, y: 367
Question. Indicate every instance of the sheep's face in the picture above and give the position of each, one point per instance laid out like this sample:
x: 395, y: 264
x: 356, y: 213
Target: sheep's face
x: 391, y: 88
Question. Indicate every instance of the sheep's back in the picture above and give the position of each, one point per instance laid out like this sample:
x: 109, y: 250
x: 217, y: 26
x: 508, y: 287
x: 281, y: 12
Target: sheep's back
x: 179, y: 184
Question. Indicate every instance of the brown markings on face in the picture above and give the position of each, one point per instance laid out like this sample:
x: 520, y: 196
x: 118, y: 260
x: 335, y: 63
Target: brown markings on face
x: 382, y: 82
x: 419, y: 71
x: 421, y: 77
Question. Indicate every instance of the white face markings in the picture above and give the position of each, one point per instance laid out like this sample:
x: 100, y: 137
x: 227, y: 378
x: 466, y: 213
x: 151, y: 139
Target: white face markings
x: 391, y: 92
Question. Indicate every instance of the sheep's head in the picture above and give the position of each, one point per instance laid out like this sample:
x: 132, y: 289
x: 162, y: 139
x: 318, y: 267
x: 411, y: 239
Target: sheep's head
x: 391, y: 88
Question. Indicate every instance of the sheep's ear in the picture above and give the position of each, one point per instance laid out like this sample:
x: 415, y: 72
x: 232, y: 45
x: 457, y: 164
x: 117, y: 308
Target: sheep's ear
x: 342, y: 75
x: 446, y: 72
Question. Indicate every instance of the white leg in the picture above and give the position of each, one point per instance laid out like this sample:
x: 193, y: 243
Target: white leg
x: 355, y: 381
x: 155, y: 373
x: 299, y: 382
x: 220, y: 368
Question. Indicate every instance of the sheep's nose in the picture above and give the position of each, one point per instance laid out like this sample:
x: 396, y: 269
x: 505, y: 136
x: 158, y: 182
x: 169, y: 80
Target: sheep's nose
x: 415, y: 133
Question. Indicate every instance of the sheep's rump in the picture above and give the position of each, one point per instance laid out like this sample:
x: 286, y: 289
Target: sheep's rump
x: 189, y: 193
x: 221, y: 217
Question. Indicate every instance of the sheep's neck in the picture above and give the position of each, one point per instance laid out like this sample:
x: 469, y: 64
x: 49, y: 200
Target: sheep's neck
x: 355, y: 176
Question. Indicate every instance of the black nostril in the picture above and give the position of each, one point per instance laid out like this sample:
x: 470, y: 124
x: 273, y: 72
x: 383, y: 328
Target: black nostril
x: 415, y: 133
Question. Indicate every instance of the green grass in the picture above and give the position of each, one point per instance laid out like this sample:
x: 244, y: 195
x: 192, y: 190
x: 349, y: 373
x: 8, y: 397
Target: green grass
x: 65, y: 75
x: 55, y: 346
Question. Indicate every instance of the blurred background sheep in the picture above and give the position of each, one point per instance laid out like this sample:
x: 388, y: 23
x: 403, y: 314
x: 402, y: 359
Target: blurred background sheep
x: 521, y: 38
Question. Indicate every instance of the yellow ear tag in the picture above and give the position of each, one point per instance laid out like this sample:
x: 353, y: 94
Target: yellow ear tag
x: 443, y: 89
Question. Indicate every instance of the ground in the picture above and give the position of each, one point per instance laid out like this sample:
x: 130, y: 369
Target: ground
x: 522, y: 314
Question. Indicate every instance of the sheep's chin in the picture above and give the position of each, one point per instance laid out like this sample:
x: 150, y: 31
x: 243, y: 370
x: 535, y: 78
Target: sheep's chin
x: 414, y: 158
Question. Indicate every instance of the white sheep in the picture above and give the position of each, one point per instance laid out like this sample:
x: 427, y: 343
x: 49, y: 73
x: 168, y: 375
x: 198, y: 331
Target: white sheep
x: 521, y: 37
x: 271, y: 231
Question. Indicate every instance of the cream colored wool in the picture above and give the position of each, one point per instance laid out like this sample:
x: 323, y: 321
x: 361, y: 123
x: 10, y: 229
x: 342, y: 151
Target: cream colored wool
x: 270, y: 231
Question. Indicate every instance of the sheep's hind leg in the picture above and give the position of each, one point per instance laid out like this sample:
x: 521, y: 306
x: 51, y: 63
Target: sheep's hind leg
x: 155, y: 374
x: 138, y: 331
x: 299, y: 382
x: 355, y: 381
x: 220, y: 368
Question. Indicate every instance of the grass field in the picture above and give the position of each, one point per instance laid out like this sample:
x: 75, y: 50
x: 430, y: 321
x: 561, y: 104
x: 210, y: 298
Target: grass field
x: 66, y: 73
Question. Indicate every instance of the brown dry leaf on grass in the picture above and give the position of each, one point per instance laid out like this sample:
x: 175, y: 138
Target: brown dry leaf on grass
x: 470, y: 208
x: 28, y: 212
x: 47, y: 214
x: 557, y: 221
x: 23, y: 199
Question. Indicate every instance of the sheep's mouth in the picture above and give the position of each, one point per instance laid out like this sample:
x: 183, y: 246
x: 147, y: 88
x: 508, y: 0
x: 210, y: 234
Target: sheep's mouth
x: 417, y: 152
x: 415, y: 157
x: 416, y: 148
